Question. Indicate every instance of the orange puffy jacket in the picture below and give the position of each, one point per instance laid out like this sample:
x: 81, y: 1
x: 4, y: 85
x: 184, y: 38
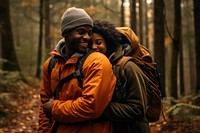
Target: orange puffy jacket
x: 76, y: 104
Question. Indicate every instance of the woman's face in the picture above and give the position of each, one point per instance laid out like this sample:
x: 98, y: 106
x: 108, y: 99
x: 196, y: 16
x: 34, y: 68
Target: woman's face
x: 99, y: 43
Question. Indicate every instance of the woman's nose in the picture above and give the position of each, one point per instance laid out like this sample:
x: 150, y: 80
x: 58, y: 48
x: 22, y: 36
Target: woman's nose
x: 94, y: 46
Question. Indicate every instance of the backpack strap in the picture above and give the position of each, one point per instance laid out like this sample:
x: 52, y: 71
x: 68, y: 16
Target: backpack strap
x: 77, y: 74
x: 79, y: 66
x: 52, y: 64
x: 122, y: 62
x: 64, y: 80
x: 120, y: 75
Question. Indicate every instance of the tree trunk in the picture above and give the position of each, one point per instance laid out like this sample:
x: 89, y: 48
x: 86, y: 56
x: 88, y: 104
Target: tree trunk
x: 39, y: 58
x: 176, y: 49
x: 181, y: 66
x: 141, y: 20
x: 159, y: 32
x: 146, y: 25
x: 122, y: 13
x: 9, y: 56
x: 182, y: 87
x: 133, y: 15
x: 47, y: 29
x: 197, y: 40
x: 190, y: 83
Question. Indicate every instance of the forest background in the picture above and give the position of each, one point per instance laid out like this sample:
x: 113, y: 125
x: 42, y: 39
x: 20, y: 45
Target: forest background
x: 30, y: 29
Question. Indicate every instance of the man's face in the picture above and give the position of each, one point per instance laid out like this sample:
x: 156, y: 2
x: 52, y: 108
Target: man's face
x: 77, y: 39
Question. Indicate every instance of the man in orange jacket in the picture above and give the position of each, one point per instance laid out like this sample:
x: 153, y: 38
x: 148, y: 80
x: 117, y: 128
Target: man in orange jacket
x: 76, y: 107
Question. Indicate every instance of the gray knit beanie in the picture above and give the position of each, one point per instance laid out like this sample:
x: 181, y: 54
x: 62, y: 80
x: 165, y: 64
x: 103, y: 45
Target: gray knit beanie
x: 74, y: 17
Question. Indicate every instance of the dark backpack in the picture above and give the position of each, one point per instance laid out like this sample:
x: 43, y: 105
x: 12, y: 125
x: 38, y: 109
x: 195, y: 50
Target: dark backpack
x: 77, y: 74
x: 142, y: 57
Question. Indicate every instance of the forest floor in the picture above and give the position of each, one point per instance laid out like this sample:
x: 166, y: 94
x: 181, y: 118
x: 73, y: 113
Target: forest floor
x: 20, y: 114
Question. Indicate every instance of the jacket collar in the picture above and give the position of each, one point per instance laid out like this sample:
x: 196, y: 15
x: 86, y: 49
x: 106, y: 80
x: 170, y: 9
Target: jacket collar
x: 114, y: 57
x: 59, y: 50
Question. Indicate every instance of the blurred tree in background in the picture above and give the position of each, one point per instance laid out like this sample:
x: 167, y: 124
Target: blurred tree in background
x: 9, y: 57
x: 33, y: 35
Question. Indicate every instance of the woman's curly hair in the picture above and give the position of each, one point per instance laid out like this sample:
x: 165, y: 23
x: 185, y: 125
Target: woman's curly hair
x: 109, y: 33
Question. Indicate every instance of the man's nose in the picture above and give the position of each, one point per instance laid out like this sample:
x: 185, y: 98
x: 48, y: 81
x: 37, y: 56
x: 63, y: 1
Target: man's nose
x: 87, y: 36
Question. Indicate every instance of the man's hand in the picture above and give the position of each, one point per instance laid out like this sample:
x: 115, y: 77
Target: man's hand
x: 47, y: 107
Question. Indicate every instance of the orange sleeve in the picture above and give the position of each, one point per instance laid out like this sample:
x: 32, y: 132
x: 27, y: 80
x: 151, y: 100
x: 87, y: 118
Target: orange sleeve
x: 45, y: 94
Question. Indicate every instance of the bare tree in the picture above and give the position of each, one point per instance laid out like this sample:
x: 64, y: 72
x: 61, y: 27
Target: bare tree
x: 146, y: 24
x: 159, y: 32
x: 176, y: 49
x: 47, y: 27
x: 133, y: 15
x: 181, y: 71
x: 197, y: 40
x: 141, y: 20
x: 39, y: 58
x: 8, y: 52
x: 122, y: 13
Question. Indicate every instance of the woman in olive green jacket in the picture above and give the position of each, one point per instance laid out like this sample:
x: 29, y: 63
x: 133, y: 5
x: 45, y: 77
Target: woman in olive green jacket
x: 127, y: 113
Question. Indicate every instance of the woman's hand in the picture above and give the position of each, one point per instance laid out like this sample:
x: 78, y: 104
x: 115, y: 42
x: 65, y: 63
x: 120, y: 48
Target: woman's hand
x: 47, y: 108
